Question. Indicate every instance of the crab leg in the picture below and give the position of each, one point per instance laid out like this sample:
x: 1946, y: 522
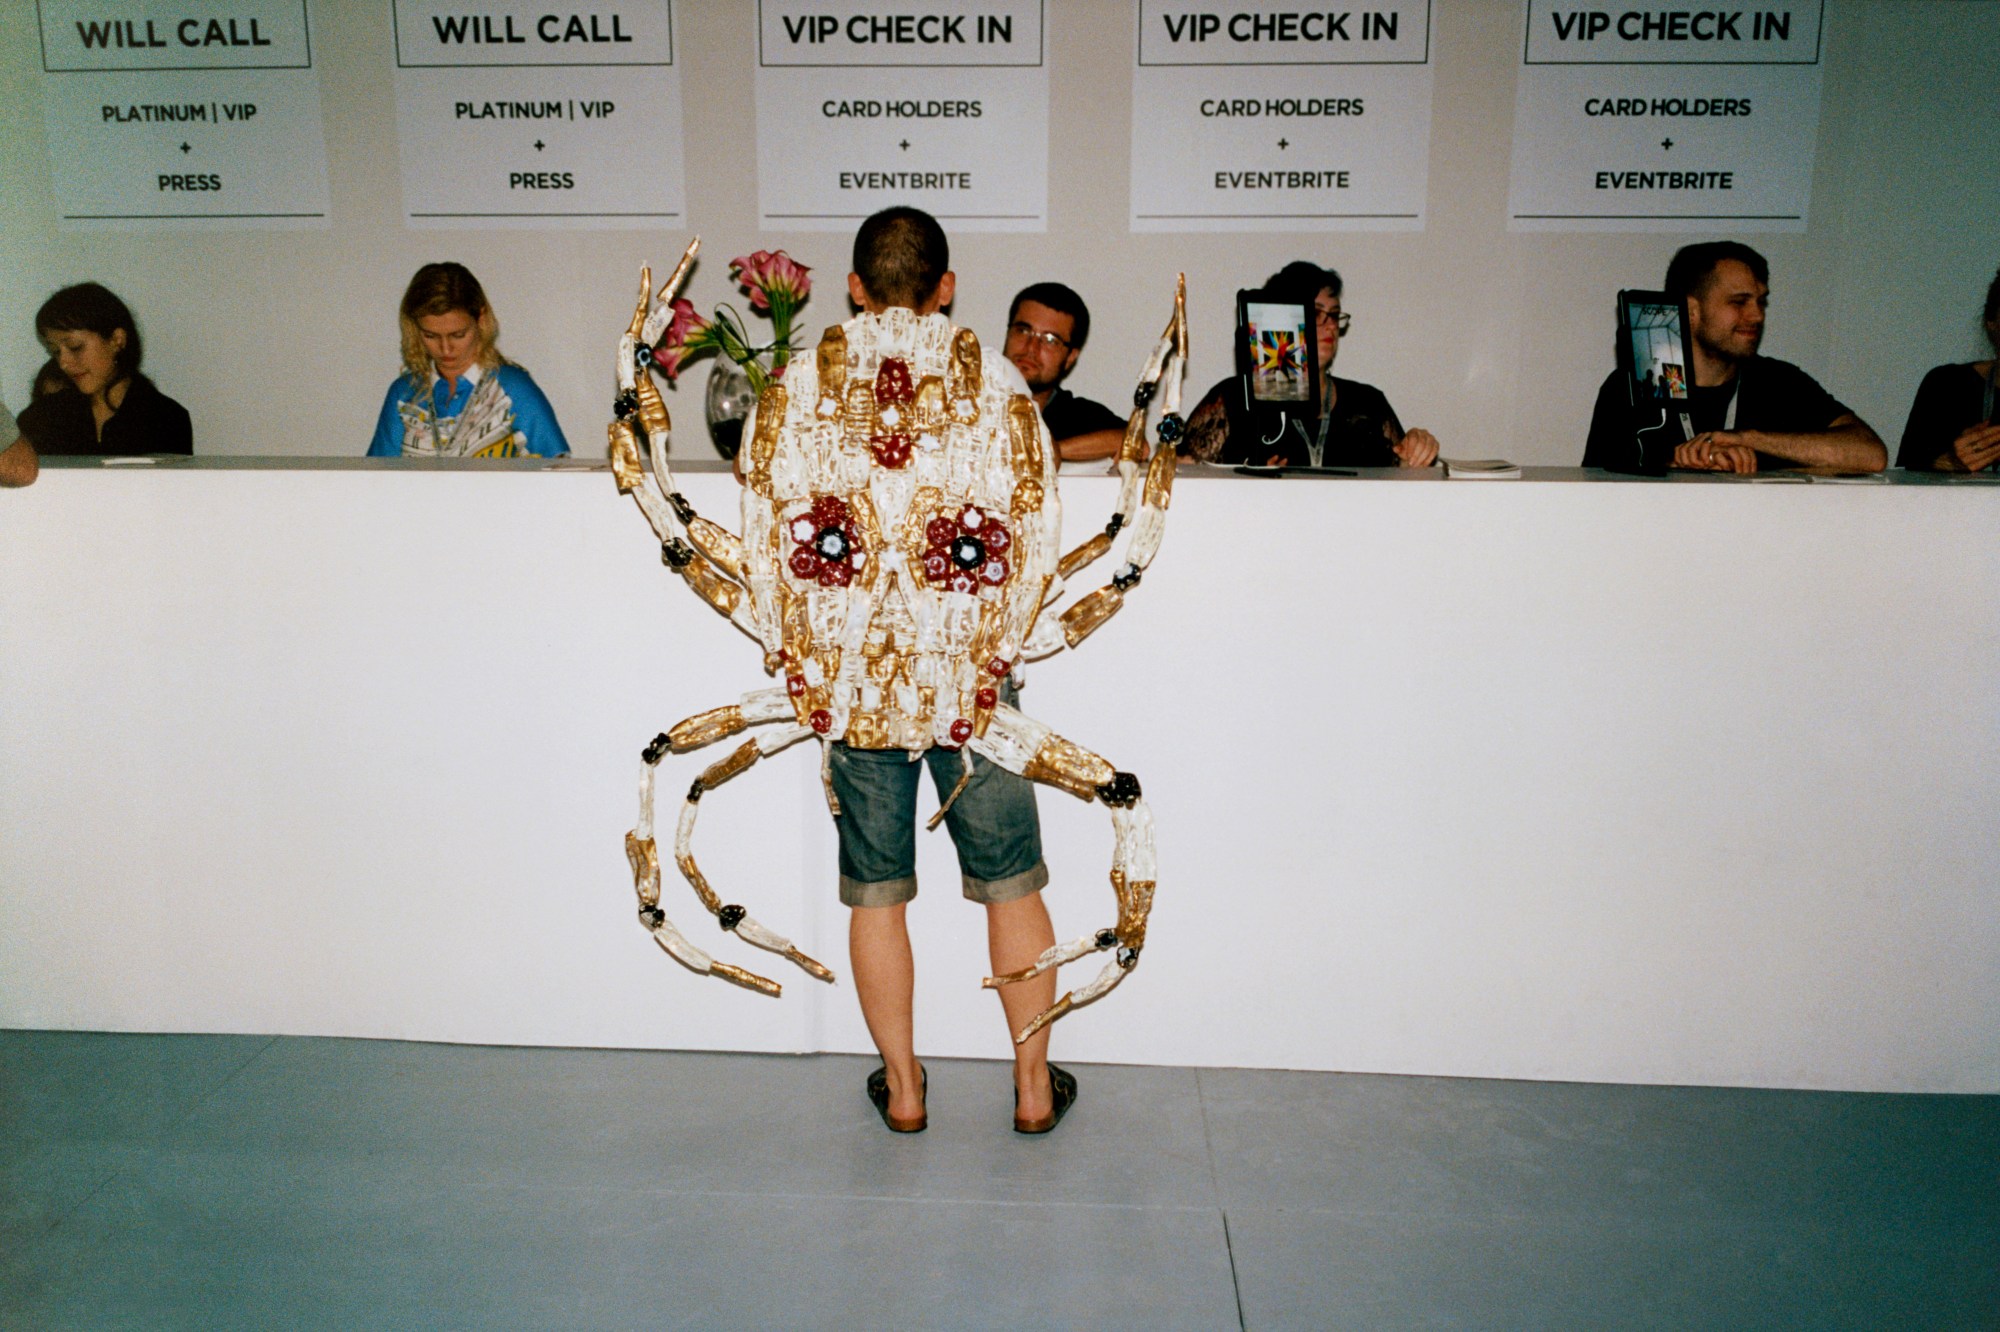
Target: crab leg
x: 1145, y: 490
x: 713, y: 563
x: 643, y: 852
x: 1021, y: 744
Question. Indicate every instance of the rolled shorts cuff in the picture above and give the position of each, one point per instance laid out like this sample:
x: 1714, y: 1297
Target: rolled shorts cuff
x: 992, y: 892
x: 882, y: 893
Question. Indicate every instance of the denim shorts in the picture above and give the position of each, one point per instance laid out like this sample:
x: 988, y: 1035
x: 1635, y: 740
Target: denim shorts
x: 992, y: 823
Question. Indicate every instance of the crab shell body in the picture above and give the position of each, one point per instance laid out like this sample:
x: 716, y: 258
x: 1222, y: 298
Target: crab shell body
x: 897, y: 562
x: 900, y: 530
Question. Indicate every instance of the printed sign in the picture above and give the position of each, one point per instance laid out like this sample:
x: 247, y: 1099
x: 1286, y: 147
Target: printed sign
x: 168, y: 112
x: 513, y: 114
x: 866, y: 103
x: 1666, y: 117
x: 1252, y: 115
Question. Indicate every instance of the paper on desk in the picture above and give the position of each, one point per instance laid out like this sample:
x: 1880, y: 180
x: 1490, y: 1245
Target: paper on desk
x: 129, y: 462
x: 1480, y: 469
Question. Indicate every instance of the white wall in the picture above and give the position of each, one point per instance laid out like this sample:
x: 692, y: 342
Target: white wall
x: 352, y: 751
x: 282, y: 343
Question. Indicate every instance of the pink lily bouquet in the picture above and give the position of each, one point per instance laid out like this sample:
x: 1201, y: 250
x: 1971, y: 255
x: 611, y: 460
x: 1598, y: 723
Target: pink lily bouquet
x: 777, y: 286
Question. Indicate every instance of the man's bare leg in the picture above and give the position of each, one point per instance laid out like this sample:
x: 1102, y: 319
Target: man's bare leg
x: 885, y: 978
x: 1017, y: 933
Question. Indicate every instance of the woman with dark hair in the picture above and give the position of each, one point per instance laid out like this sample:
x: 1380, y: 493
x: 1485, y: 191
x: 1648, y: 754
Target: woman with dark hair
x: 1955, y: 421
x: 1356, y: 426
x: 458, y: 397
x: 100, y: 403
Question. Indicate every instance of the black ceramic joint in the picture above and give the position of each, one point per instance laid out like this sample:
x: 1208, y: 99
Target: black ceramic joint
x: 656, y: 751
x: 1117, y: 523
x: 652, y: 917
x: 731, y: 916
x: 642, y: 356
x: 682, y: 509
x: 676, y: 554
x: 1171, y: 427
x: 695, y: 791
x: 1107, y: 938
x: 626, y: 405
x: 1143, y: 395
x: 1122, y: 791
x: 968, y: 552
x: 1125, y: 579
x: 1128, y: 958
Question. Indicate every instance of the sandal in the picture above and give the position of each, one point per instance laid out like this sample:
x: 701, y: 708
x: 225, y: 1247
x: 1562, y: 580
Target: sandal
x: 1062, y: 1090
x: 878, y: 1093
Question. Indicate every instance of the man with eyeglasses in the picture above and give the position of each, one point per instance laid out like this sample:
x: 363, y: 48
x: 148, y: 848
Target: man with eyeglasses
x: 1046, y: 329
x: 1356, y: 426
x: 1748, y: 413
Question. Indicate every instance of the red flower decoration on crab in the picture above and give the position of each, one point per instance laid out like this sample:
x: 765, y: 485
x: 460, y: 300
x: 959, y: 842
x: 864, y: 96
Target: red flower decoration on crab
x: 967, y: 550
x: 894, y: 392
x: 826, y: 549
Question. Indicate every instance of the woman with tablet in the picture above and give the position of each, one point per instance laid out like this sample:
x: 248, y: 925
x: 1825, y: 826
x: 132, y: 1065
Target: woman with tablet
x: 458, y: 397
x: 97, y: 403
x: 1955, y: 421
x: 1287, y: 408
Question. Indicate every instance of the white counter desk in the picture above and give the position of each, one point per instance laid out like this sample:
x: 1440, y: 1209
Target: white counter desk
x: 1687, y: 782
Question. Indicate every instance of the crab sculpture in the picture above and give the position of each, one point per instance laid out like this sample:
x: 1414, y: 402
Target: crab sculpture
x: 898, y: 561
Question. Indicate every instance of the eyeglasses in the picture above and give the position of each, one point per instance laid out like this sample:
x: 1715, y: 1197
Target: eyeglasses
x: 1019, y: 332
x: 1339, y: 320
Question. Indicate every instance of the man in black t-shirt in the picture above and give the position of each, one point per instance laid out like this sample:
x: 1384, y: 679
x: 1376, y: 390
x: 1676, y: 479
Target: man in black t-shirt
x: 1749, y: 413
x: 1046, y: 329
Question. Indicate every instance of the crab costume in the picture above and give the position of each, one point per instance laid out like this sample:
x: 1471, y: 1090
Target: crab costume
x: 898, y: 561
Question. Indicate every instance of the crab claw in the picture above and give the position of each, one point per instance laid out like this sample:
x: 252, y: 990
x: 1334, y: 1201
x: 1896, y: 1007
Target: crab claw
x: 1050, y: 959
x: 662, y: 312
x: 1180, y: 319
x: 1100, y: 985
x: 672, y: 286
x: 645, y: 306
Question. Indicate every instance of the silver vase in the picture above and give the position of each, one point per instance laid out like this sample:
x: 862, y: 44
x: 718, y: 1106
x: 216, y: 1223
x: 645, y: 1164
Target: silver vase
x: 728, y: 401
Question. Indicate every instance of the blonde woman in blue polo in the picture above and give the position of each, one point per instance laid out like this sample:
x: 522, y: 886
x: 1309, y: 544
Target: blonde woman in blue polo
x: 457, y: 396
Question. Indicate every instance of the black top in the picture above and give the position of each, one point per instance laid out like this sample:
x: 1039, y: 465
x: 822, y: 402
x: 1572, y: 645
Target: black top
x: 147, y: 421
x: 1068, y: 416
x: 1951, y: 398
x: 1776, y: 396
x: 1225, y: 427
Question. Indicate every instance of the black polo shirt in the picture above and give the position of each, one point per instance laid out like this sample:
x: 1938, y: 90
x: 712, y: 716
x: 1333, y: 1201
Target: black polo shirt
x: 1774, y: 395
x: 1068, y: 416
x: 147, y: 421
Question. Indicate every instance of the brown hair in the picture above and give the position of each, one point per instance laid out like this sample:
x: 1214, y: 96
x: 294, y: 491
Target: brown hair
x: 901, y: 255
x: 90, y: 308
x: 440, y: 289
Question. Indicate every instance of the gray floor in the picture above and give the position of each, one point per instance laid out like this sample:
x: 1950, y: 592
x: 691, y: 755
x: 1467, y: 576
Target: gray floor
x: 250, y: 1182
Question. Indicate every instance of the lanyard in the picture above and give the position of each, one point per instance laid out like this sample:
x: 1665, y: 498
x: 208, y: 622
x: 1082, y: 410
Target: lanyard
x: 1736, y: 395
x: 1316, y: 444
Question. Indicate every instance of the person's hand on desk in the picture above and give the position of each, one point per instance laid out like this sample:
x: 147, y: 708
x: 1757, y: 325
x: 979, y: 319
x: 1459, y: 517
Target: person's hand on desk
x: 1716, y: 451
x: 1976, y: 448
x: 1417, y: 448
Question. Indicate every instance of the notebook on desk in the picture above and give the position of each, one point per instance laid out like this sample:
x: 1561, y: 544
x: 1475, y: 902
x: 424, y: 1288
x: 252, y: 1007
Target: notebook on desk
x: 1480, y: 469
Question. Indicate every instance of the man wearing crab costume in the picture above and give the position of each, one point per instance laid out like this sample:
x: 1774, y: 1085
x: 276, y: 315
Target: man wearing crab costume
x: 899, y: 561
